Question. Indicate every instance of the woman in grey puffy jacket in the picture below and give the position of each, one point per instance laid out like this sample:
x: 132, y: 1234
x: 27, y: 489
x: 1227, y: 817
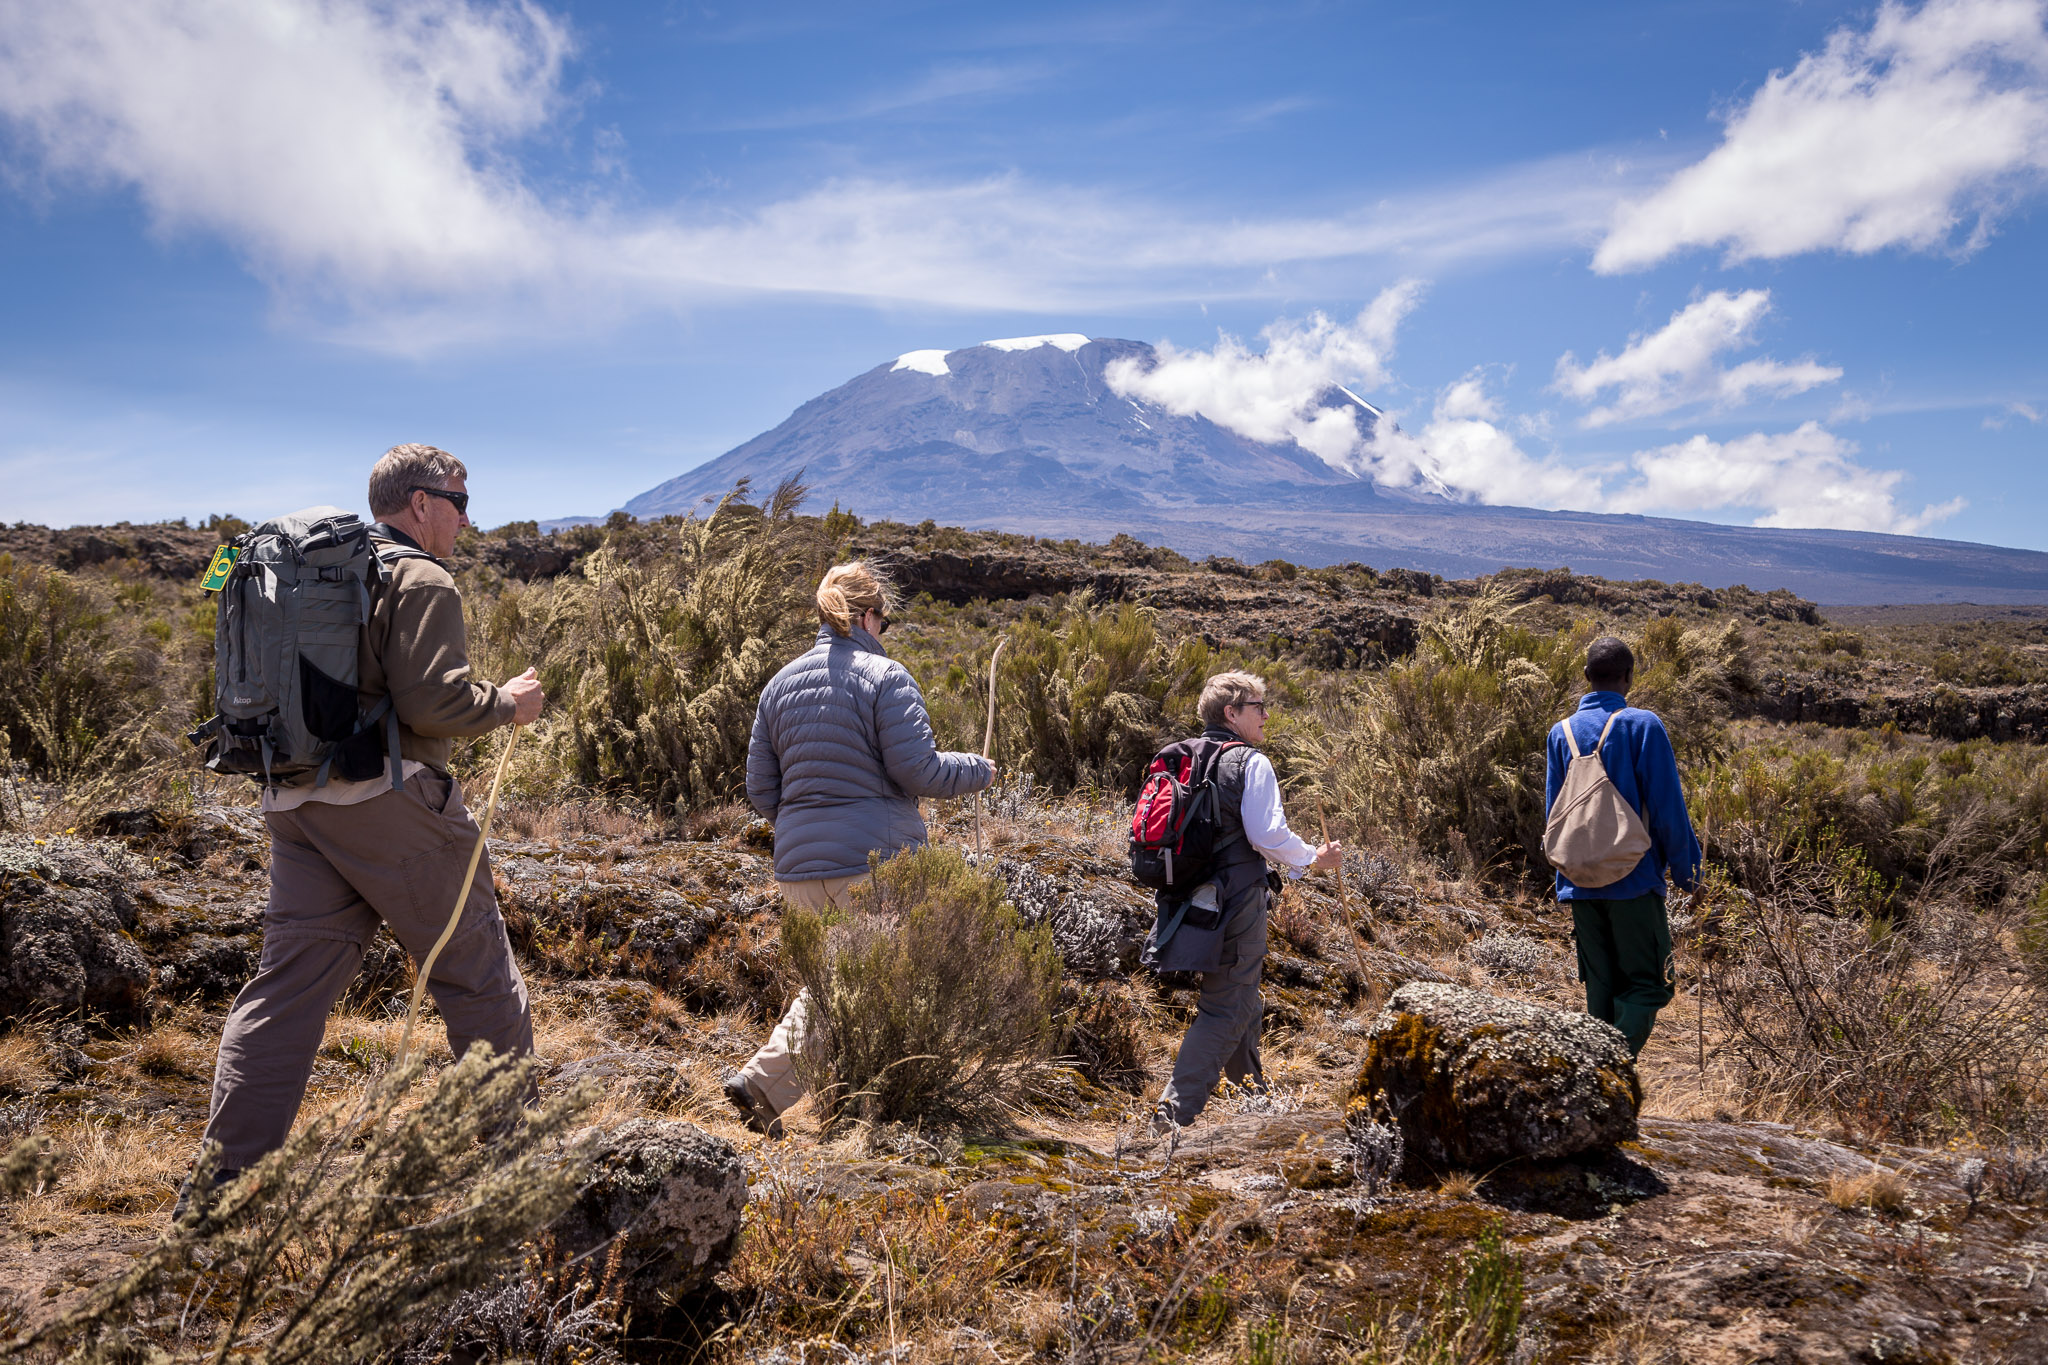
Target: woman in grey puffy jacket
x: 841, y: 751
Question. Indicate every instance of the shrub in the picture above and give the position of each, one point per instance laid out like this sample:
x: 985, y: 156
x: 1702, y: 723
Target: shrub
x: 361, y: 1227
x: 929, y: 1000
x: 67, y: 684
x: 1893, y: 1032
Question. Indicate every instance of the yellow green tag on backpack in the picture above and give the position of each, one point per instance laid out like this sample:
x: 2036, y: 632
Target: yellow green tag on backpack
x: 217, y: 572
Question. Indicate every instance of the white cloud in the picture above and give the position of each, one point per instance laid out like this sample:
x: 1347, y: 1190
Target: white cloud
x: 1805, y: 477
x: 1464, y: 452
x: 366, y: 153
x: 1677, y: 365
x: 1901, y: 135
x: 2025, y: 411
x: 1467, y: 448
x: 1276, y: 395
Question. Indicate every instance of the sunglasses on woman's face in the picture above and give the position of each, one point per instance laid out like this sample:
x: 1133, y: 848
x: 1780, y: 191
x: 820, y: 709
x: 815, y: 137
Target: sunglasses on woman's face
x: 883, y: 628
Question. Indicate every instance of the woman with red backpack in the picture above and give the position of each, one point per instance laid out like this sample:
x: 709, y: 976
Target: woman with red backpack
x: 1221, y: 788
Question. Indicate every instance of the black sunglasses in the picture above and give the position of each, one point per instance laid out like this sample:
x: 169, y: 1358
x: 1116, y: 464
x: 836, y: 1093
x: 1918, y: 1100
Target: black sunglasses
x: 883, y: 629
x: 461, y: 500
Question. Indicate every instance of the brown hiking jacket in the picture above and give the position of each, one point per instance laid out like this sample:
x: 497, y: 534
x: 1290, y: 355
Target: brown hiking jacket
x: 416, y: 647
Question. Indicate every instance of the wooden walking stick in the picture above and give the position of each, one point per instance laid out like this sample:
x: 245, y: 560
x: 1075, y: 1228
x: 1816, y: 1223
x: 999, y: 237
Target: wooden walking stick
x: 1343, y: 899
x: 988, y: 738
x: 419, y: 985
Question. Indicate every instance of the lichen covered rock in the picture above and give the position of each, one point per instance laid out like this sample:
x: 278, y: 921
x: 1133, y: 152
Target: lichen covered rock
x: 65, y: 917
x: 1473, y: 1080
x: 672, y: 1195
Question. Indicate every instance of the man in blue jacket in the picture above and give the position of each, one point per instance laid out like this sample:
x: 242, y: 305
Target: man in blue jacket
x: 1624, y: 938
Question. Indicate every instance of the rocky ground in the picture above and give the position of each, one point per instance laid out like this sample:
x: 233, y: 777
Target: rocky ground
x: 1073, y: 1235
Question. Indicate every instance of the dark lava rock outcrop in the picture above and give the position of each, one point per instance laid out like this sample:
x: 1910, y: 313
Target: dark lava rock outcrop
x: 65, y: 917
x: 671, y: 1194
x: 1473, y: 1080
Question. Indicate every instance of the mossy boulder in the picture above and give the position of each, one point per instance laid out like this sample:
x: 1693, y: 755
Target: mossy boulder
x: 1473, y: 1080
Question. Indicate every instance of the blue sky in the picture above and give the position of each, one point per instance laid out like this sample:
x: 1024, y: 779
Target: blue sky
x: 1747, y: 262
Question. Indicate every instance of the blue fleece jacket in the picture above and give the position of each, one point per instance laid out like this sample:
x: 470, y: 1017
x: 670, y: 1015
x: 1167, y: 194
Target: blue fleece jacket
x: 1644, y: 770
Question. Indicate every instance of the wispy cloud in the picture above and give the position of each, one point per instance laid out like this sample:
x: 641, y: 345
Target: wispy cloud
x: 1679, y: 364
x: 941, y: 86
x: 365, y: 155
x: 2026, y: 412
x: 1912, y: 133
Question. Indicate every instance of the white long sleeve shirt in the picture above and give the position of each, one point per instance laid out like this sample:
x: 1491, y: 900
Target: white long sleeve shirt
x: 1265, y: 824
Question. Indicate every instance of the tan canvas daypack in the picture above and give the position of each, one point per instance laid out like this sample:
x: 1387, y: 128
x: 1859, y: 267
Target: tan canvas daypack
x: 1594, y: 836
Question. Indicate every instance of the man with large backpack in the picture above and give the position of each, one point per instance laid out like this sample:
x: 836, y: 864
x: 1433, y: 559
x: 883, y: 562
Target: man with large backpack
x: 343, y: 676
x: 1208, y: 820
x: 1616, y: 822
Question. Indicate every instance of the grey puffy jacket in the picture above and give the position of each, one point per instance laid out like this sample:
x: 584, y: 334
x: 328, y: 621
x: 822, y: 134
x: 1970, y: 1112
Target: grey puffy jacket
x: 841, y: 751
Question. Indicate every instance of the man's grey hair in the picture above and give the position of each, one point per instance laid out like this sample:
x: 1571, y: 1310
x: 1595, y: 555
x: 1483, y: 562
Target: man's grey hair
x: 1228, y: 689
x: 405, y: 468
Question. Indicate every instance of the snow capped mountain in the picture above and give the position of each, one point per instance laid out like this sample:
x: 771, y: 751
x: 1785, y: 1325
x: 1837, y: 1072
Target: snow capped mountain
x: 1027, y: 434
x: 1020, y: 424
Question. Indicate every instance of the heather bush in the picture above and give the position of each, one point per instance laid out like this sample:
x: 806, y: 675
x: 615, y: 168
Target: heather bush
x: 1894, y: 1032
x: 361, y: 1228
x: 71, y: 688
x: 930, y: 1001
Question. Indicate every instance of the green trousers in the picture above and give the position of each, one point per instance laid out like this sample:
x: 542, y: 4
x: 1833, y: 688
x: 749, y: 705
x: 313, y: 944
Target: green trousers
x: 1625, y: 961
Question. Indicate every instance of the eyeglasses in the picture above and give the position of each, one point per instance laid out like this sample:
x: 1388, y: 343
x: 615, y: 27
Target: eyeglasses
x: 1263, y: 708
x: 882, y: 629
x: 461, y: 500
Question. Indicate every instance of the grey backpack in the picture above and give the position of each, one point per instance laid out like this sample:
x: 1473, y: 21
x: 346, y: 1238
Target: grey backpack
x: 292, y: 609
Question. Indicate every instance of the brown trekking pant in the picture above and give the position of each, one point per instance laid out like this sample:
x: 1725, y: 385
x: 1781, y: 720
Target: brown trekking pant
x: 335, y: 871
x: 771, y: 1072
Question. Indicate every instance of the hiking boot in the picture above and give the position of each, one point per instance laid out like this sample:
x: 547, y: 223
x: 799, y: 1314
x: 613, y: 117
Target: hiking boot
x: 222, y: 1178
x: 1163, y: 1123
x: 754, y: 1111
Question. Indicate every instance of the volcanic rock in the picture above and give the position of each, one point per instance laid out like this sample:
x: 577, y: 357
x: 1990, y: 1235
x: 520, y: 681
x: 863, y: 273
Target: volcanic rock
x: 672, y: 1195
x: 1473, y: 1080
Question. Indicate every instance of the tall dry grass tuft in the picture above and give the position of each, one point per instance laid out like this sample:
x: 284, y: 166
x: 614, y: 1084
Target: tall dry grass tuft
x: 362, y: 1227
x: 929, y: 1001
x: 658, y: 647
x: 1444, y: 750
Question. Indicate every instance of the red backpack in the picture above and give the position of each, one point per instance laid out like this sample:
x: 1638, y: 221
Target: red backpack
x: 1174, y: 828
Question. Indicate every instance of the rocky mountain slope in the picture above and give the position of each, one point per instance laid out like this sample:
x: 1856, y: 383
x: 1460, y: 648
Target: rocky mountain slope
x: 1026, y: 435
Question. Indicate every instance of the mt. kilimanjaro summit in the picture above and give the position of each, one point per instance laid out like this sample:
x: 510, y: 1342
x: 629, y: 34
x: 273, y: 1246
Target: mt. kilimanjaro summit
x: 1027, y: 434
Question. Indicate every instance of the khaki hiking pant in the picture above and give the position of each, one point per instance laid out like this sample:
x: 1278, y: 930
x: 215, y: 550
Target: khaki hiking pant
x: 335, y: 871
x: 771, y: 1073
x: 1223, y: 1040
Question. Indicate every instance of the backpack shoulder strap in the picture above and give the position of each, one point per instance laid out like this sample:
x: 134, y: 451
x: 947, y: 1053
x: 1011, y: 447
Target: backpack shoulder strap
x: 1571, y: 740
x: 1612, y: 717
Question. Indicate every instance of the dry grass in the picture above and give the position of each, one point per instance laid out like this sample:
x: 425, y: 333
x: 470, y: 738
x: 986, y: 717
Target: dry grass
x: 171, y: 1051
x: 24, y: 1069
x: 127, y: 1171
x: 1638, y: 1341
x: 1459, y: 1185
x: 554, y: 821
x: 1880, y: 1190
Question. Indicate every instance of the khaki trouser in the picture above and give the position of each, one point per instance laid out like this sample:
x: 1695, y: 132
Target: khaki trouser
x: 335, y: 871
x: 772, y: 1071
x: 1223, y: 1040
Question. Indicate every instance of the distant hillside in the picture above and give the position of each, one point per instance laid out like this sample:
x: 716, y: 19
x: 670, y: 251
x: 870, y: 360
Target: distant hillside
x: 1026, y: 435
